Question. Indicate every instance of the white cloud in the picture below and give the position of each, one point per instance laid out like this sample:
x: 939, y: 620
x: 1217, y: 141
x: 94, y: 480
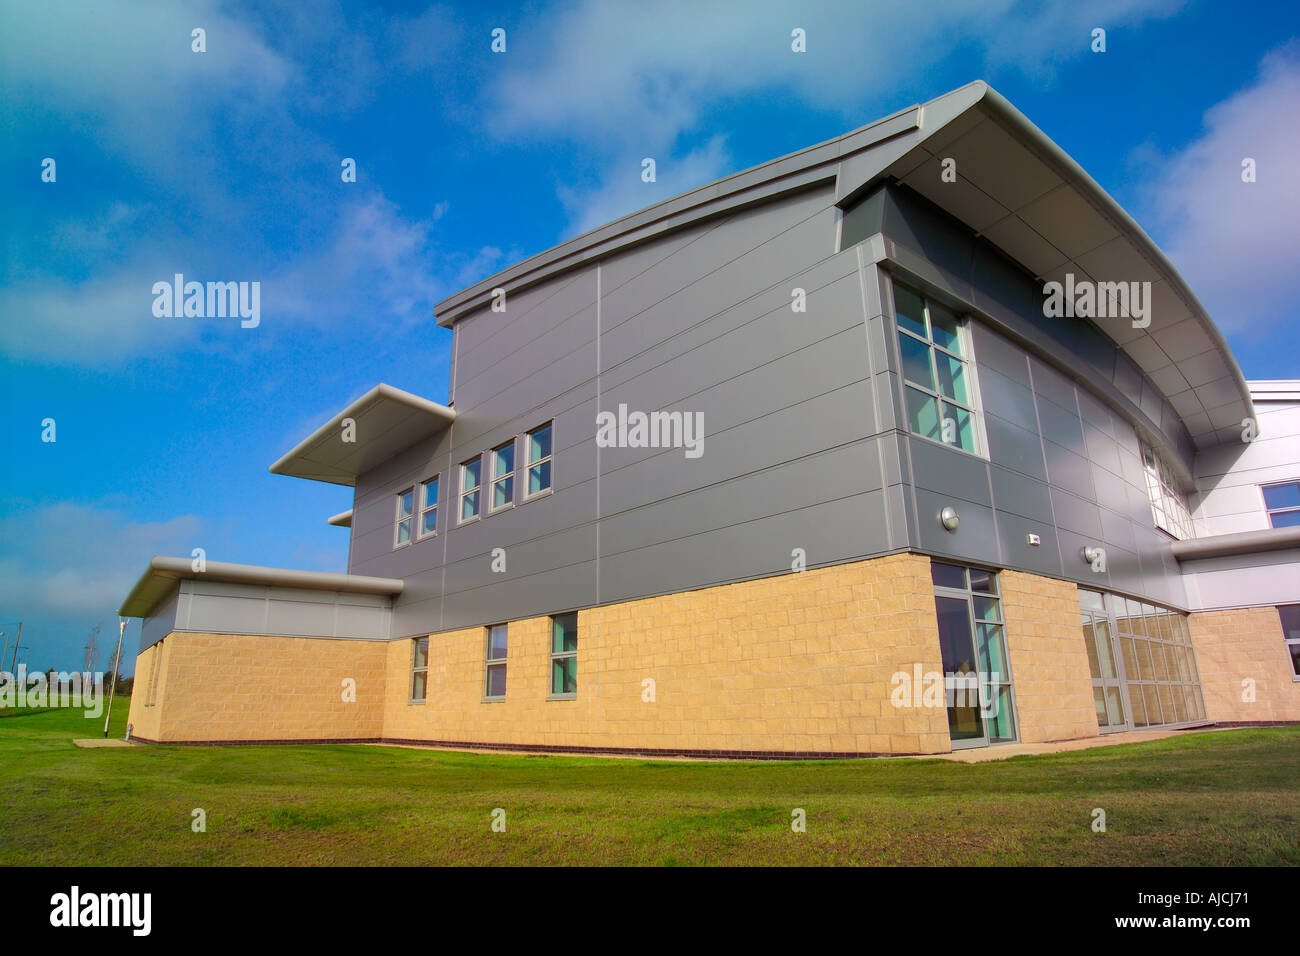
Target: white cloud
x: 65, y: 560
x: 636, y: 79
x: 1235, y: 242
x: 623, y: 191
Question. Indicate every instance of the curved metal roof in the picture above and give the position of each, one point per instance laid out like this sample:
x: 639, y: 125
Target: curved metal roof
x: 1016, y: 188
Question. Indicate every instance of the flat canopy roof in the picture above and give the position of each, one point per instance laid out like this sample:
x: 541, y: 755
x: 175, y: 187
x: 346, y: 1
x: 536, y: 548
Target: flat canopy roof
x: 164, y: 574
x: 386, y: 421
x: 1015, y: 187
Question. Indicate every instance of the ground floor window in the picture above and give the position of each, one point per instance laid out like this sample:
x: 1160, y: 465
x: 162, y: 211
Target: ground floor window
x: 1143, y: 666
x: 419, y: 668
x: 972, y: 641
x: 1290, y: 614
x: 497, y: 640
x: 564, y: 655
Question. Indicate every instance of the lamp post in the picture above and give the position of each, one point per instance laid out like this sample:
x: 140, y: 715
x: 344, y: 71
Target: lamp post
x: 117, y: 663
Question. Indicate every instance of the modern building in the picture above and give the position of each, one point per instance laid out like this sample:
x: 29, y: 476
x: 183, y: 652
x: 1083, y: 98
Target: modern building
x: 782, y: 466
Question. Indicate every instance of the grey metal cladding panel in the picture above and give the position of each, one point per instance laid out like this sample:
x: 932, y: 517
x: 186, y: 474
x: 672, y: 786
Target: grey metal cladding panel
x: 549, y: 518
x: 1000, y: 287
x: 1007, y: 399
x: 1015, y: 447
x: 892, y: 451
x: 1019, y: 494
x: 1061, y: 425
x: 209, y: 613
x: 757, y: 330
x: 830, y: 533
x: 1110, y: 491
x: 560, y: 589
x: 884, y: 386
x: 863, y: 219
x: 878, y: 333
x: 1102, y: 450
x: 1094, y: 412
x: 948, y: 472
x: 1051, y: 384
x: 633, y: 319
x: 1073, y: 566
x: 975, y: 538
x: 1017, y: 552
x: 898, y: 508
x: 523, y: 559
x: 515, y: 399
x: 300, y: 618
x: 474, y: 386
x: 840, y: 474
x: 993, y: 351
x: 635, y: 476
x: 738, y: 396
x: 160, y: 623
x: 912, y: 221
x: 1069, y: 471
x: 1076, y: 514
x: 1124, y: 570
x: 1116, y: 529
x: 537, y: 307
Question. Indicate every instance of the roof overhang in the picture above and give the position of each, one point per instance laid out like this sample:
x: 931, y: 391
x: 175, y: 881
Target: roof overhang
x: 385, y: 422
x: 1014, y: 187
x: 165, y: 574
x: 341, y: 520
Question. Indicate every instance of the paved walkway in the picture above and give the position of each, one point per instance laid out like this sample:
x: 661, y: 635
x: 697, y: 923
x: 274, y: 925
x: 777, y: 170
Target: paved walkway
x: 1004, y: 751
x: 93, y: 742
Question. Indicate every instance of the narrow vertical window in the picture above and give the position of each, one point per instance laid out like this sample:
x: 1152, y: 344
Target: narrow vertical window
x: 419, y: 668
x: 405, y: 517
x: 470, y: 479
x: 539, y: 460
x: 1290, y: 614
x: 503, y: 476
x: 564, y: 655
x: 1168, y: 504
x: 429, y: 507
x: 497, y: 640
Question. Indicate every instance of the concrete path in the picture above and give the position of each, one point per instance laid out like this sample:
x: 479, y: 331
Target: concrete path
x: 92, y: 742
x: 1004, y: 751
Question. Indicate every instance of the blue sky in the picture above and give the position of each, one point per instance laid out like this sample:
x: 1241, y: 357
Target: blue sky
x: 225, y: 165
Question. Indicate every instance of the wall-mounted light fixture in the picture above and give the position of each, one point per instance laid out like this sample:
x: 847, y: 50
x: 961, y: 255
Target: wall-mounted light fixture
x: 949, y: 518
x: 1091, y: 554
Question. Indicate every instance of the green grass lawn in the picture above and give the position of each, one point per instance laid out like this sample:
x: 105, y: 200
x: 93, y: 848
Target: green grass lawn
x: 1227, y: 798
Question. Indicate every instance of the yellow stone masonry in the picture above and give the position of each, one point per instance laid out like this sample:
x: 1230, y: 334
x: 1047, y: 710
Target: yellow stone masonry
x: 1049, y: 660
x: 1239, y: 644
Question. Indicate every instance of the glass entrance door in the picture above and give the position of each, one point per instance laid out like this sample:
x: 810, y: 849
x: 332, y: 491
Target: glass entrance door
x: 972, y: 644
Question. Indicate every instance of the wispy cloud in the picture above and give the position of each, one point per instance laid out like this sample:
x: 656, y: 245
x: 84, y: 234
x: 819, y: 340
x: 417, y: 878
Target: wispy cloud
x: 637, y: 79
x: 1235, y: 241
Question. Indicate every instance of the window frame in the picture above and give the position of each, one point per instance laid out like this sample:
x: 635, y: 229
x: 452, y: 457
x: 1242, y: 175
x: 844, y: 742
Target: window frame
x: 1290, y: 642
x: 562, y: 655
x: 1160, y: 485
x: 399, y: 518
x: 528, y: 464
x: 492, y: 478
x: 410, y: 687
x: 1285, y: 509
x: 464, y: 492
x: 490, y: 662
x: 424, y: 507
x: 965, y: 340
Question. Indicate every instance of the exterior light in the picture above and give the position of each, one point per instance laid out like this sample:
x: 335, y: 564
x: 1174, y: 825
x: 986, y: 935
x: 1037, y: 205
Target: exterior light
x: 1090, y: 554
x: 949, y: 518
